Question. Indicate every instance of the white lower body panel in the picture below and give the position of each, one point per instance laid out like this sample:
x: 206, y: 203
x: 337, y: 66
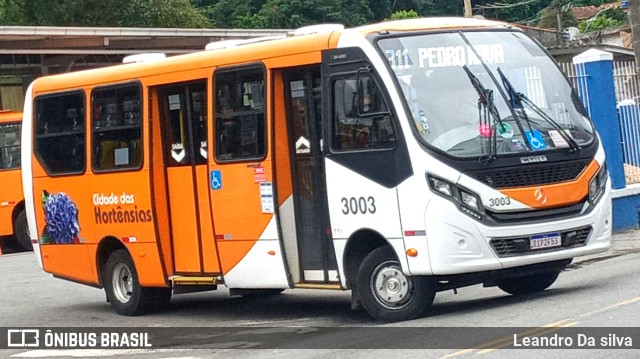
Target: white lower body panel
x: 459, y: 244
x: 263, y: 266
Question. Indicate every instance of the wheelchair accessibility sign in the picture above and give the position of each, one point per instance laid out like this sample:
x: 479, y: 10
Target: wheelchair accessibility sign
x: 215, y: 179
x: 536, y: 140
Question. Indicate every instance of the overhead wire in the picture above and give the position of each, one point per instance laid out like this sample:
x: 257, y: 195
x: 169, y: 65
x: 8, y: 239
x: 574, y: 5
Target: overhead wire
x: 496, y: 6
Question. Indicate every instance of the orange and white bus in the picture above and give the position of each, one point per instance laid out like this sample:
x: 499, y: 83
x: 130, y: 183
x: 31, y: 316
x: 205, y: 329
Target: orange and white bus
x: 13, y: 220
x: 394, y: 160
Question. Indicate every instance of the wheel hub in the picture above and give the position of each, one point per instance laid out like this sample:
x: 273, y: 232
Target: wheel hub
x: 122, y: 283
x: 390, y: 286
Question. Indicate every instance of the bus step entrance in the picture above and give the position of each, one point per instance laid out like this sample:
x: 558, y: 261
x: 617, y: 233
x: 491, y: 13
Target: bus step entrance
x: 190, y: 284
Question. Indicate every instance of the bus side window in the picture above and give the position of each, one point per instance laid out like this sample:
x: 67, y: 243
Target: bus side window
x: 116, y: 127
x: 360, y: 124
x: 60, y: 132
x: 10, y: 146
x: 240, y: 128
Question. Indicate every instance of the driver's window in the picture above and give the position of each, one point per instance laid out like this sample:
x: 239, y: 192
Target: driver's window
x: 360, y: 124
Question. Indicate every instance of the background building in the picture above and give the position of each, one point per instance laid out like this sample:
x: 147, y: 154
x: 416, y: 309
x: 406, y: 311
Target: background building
x: 27, y: 52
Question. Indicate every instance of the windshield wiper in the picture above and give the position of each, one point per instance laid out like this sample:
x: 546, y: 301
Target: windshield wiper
x: 517, y: 99
x: 495, y: 82
x: 485, y: 101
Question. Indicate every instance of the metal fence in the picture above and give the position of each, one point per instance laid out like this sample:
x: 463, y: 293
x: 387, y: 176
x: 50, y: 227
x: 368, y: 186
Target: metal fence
x: 577, y: 76
x: 628, y: 103
x: 627, y: 96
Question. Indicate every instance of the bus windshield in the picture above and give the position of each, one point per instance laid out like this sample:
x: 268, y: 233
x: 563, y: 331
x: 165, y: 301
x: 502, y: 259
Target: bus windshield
x: 486, y: 93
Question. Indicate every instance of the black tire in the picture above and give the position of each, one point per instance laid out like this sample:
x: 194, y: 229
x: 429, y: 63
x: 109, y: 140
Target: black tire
x: 528, y: 284
x: 21, y: 231
x: 123, y: 289
x: 387, y: 294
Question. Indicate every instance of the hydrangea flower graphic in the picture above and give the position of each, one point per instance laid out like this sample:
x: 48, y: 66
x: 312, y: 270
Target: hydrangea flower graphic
x: 61, y: 218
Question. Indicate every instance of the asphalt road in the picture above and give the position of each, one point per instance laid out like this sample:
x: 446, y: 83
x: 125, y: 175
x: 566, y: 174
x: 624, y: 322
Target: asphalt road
x: 603, y: 293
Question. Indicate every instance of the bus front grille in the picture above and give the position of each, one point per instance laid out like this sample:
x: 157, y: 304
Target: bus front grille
x: 516, y: 246
x: 537, y: 215
x: 531, y: 175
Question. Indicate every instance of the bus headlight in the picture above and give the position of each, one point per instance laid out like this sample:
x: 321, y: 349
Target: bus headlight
x: 440, y: 186
x: 467, y: 201
x: 597, y: 184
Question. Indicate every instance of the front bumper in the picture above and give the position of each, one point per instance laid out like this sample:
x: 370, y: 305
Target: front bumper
x: 459, y: 244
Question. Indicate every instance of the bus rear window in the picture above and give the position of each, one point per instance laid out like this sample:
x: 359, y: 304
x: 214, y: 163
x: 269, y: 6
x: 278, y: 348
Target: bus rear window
x: 60, y: 132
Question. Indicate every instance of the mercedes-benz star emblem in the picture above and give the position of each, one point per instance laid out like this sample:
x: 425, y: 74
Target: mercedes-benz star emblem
x: 540, y: 196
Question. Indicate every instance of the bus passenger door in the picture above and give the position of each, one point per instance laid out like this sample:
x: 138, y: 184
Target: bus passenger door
x: 316, y: 255
x: 183, y: 109
x: 241, y: 180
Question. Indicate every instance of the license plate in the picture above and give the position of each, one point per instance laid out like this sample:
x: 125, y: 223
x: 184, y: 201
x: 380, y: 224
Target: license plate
x: 548, y: 240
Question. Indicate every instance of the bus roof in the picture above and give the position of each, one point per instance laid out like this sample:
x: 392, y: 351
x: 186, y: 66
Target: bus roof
x: 206, y: 58
x: 250, y: 52
x: 10, y: 116
x: 430, y: 23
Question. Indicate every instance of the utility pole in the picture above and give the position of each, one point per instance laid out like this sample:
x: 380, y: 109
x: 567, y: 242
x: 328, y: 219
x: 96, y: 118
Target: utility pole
x: 634, y: 21
x: 559, y: 15
x: 467, y: 8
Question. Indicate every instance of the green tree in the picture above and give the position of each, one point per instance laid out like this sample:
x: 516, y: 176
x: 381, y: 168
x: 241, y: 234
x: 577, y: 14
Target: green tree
x: 430, y: 7
x: 265, y: 13
x: 236, y: 13
x: 355, y: 12
x: 403, y: 14
x: 380, y: 9
x: 517, y: 11
x: 138, y: 13
x: 612, y: 17
x: 383, y: 9
x: 549, y: 15
x: 174, y: 13
x: 297, y: 13
x: 506, y: 10
x: 591, y: 2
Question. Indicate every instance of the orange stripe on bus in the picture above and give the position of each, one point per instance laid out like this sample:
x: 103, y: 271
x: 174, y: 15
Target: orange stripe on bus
x: 560, y: 194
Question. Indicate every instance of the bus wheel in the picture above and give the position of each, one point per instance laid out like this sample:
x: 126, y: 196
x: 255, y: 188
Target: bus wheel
x: 528, y: 284
x: 124, y: 291
x: 21, y: 231
x: 389, y: 295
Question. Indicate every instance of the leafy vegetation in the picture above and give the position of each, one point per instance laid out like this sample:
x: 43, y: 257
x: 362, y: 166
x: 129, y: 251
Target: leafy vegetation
x: 141, y: 13
x: 403, y: 14
x: 549, y: 18
x: 286, y: 13
x: 608, y: 18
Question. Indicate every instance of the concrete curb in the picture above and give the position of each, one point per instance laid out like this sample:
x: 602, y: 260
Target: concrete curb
x: 621, y: 243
